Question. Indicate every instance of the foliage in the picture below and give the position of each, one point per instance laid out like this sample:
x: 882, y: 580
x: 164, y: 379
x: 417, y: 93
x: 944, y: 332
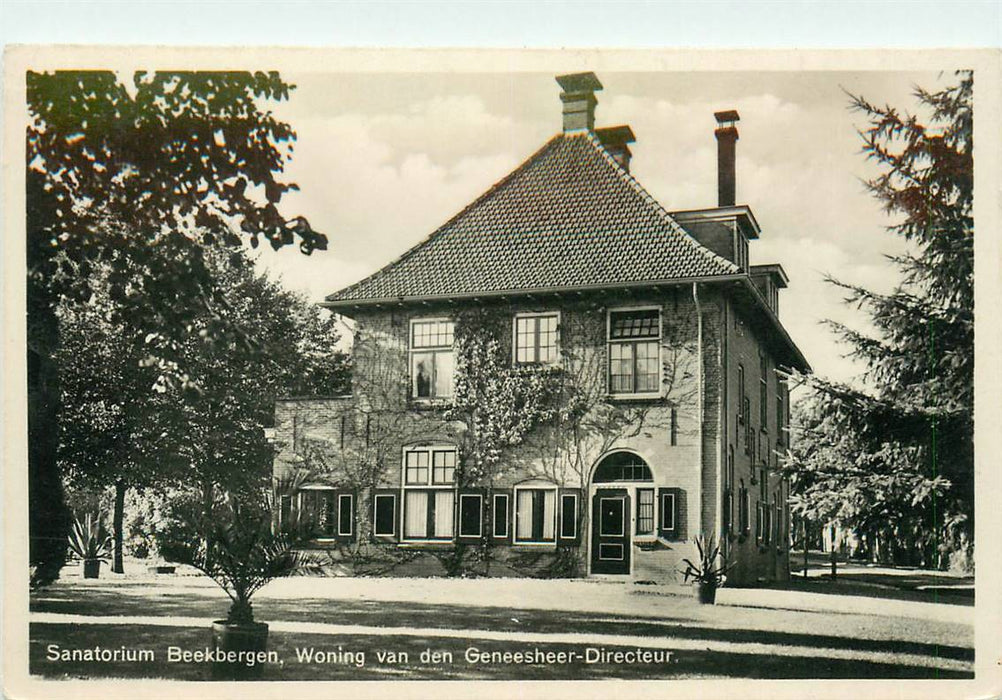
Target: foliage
x: 709, y: 567
x: 243, y: 555
x: 89, y: 540
x: 182, y: 163
x: 499, y: 404
x: 902, y: 447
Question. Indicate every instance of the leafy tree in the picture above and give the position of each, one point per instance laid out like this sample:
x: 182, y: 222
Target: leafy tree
x: 902, y: 448
x: 189, y: 161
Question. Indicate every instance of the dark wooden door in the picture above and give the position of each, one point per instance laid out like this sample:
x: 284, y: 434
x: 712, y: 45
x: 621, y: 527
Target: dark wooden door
x: 610, y: 532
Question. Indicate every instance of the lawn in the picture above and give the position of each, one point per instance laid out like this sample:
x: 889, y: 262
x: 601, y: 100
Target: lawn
x: 722, y: 641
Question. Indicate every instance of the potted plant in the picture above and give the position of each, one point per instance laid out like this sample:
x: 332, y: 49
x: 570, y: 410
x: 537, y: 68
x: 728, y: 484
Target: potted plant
x: 243, y: 555
x: 90, y: 543
x: 707, y: 573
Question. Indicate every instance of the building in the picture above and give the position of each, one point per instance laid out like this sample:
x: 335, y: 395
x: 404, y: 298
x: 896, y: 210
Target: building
x: 654, y: 323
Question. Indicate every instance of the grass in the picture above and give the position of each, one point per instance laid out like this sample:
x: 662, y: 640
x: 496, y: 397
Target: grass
x: 708, y: 641
x: 683, y: 664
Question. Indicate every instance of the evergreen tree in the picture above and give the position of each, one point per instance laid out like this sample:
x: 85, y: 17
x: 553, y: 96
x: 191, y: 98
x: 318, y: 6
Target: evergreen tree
x: 899, y: 453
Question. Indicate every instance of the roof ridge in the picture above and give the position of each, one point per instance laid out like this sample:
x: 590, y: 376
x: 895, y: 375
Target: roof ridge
x: 673, y: 225
x: 492, y: 190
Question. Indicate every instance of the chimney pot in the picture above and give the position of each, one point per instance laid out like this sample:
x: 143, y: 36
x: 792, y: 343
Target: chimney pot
x: 579, y: 100
x: 727, y: 138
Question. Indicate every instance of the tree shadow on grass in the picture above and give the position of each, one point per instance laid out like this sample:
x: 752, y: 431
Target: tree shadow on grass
x: 885, y: 586
x: 472, y: 618
x: 682, y: 664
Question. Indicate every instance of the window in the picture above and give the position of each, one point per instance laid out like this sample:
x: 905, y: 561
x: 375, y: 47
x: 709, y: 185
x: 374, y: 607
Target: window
x: 763, y: 395
x: 645, y: 511
x: 502, y: 515
x: 431, y: 359
x: 741, y: 394
x: 729, y: 491
x: 428, y: 514
x: 674, y: 426
x: 384, y: 515
x: 622, y: 466
x: 780, y: 414
x: 325, y: 513
x: 471, y: 509
x: 568, y: 516
x: 634, y: 351
x: 535, y: 515
x: 668, y: 519
x: 536, y: 338
x: 743, y: 508
x: 429, y: 500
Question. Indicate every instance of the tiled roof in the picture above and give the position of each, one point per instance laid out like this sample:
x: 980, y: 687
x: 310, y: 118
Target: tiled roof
x: 569, y: 217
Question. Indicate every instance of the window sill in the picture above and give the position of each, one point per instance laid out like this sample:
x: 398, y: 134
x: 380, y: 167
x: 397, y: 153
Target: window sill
x: 634, y: 397
x: 426, y: 544
x: 534, y: 545
x: 429, y: 404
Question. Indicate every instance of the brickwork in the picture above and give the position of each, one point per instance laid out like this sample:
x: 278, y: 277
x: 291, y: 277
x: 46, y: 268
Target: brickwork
x: 378, y: 421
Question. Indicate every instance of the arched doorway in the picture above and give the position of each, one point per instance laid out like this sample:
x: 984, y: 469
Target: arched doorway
x: 615, y: 486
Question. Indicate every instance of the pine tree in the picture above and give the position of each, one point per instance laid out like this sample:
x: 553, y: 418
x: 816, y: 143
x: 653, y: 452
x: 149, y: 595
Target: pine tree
x: 898, y: 455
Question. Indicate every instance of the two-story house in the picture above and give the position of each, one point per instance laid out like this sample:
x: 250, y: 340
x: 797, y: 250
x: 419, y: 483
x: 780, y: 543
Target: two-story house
x: 659, y: 319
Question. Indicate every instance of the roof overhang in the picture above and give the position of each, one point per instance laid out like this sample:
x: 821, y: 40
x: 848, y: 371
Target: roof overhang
x: 741, y: 213
x: 779, y: 338
x: 774, y: 269
x: 347, y: 305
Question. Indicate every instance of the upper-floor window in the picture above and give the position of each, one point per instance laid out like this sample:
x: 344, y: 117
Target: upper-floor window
x: 432, y: 360
x: 763, y: 396
x: 634, y: 351
x: 780, y: 413
x: 536, y: 337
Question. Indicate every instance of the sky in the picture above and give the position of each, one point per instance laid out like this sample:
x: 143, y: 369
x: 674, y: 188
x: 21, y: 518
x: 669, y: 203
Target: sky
x: 383, y: 159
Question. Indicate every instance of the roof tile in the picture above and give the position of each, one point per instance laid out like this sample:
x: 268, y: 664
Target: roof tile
x: 568, y: 217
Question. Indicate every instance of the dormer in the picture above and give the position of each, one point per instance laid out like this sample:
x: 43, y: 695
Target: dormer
x: 769, y: 279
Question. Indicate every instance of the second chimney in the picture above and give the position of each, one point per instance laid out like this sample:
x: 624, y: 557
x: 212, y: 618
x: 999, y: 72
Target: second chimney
x: 579, y: 100
x: 727, y: 139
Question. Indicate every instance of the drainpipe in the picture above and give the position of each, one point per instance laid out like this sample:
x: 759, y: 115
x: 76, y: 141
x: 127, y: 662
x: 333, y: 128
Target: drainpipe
x: 699, y: 403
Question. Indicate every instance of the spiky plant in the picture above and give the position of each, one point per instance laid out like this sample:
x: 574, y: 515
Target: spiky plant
x: 707, y: 570
x: 245, y: 556
x: 89, y: 540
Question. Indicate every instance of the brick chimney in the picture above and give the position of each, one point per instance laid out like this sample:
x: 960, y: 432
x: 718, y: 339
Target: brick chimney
x: 615, y: 140
x: 579, y: 100
x: 727, y: 139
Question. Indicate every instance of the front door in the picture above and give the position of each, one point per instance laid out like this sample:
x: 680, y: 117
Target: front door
x: 610, y: 532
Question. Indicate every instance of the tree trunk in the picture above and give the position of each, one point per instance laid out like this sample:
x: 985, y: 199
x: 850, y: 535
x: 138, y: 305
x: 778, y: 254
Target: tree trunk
x: 207, y: 520
x: 117, y: 565
x: 834, y: 557
x: 806, y: 547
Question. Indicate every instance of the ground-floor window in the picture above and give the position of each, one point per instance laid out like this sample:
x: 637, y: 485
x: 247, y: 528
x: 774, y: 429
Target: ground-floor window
x: 535, y: 515
x: 471, y: 514
x: 645, y: 511
x: 501, y: 515
x: 384, y: 515
x: 568, y: 516
x: 429, y: 514
x: 326, y: 513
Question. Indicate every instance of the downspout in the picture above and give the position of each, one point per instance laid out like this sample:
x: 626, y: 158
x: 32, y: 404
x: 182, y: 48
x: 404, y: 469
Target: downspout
x: 699, y: 403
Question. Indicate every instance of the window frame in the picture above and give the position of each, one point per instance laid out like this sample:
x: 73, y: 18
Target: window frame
x: 434, y: 350
x: 507, y: 519
x: 610, y: 341
x: 655, y: 520
x: 575, y: 536
x: 514, y: 339
x: 556, y: 516
x: 458, y: 523
x: 336, y: 494
x: 392, y: 535
x: 429, y: 487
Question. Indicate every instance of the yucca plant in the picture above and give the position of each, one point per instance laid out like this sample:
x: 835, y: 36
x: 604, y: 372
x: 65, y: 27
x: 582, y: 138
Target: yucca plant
x: 89, y: 540
x: 710, y: 570
x: 90, y: 543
